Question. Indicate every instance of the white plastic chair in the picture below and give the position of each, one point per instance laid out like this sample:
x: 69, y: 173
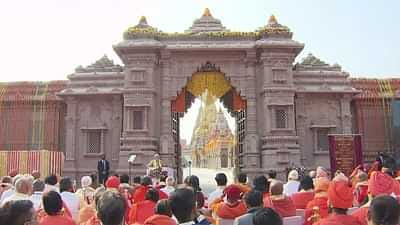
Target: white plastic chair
x: 293, y: 220
x: 300, y: 212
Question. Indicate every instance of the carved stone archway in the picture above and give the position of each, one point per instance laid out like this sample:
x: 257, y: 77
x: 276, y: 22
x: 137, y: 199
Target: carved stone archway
x: 209, y: 77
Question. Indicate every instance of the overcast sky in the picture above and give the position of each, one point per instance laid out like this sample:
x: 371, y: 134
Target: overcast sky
x: 48, y: 39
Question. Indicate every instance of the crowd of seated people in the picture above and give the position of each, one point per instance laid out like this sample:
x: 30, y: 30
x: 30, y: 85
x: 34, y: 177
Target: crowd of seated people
x: 364, y: 197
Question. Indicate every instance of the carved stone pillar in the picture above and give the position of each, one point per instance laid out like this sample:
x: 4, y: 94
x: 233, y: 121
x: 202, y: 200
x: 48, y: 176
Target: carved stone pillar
x: 116, y: 123
x: 141, y: 89
x: 303, y: 128
x: 250, y: 95
x: 280, y: 146
x: 71, y: 134
x: 252, y: 146
x: 346, y: 113
x: 166, y: 149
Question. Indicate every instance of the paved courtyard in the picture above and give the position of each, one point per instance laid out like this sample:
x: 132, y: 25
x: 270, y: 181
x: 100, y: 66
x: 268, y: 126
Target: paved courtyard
x: 206, y: 176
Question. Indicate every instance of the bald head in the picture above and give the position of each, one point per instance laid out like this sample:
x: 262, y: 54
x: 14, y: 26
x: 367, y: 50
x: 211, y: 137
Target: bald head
x: 276, y: 188
x: 24, y: 185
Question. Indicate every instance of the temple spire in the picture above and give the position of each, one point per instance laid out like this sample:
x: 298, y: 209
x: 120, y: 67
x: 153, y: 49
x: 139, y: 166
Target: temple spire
x: 272, y: 20
x: 207, y: 12
x: 143, y: 21
x: 206, y: 23
x: 275, y: 29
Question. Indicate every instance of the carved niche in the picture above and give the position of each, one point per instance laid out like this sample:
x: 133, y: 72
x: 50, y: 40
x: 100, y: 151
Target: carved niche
x: 251, y: 143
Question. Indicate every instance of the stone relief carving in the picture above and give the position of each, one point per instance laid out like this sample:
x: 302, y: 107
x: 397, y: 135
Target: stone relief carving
x: 277, y: 59
x: 95, y: 112
x: 251, y: 144
x: 314, y: 107
x: 165, y: 141
x: 142, y: 60
x: 138, y: 99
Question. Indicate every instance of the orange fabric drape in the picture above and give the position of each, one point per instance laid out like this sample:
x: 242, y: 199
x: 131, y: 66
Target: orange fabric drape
x: 178, y: 105
x: 239, y: 104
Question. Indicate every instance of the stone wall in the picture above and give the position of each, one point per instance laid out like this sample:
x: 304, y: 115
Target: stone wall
x: 88, y: 114
x: 317, y: 113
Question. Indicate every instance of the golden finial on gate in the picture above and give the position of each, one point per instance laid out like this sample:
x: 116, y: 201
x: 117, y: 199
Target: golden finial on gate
x: 207, y: 12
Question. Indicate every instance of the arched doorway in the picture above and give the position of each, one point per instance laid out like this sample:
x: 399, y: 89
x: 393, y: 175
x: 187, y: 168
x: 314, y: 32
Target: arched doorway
x: 210, y: 80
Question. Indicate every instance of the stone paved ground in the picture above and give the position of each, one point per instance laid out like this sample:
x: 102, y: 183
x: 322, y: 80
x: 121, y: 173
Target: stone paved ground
x: 207, y: 182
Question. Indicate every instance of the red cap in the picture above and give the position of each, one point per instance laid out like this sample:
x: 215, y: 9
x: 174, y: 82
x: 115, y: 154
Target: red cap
x: 232, y: 192
x: 112, y: 182
x: 340, y: 195
x: 380, y: 183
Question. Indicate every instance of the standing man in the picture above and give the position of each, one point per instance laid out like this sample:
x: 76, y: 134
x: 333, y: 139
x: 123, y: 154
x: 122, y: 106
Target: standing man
x: 103, y: 168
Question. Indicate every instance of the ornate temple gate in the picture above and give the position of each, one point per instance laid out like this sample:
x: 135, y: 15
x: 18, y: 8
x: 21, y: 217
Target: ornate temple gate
x: 209, y: 78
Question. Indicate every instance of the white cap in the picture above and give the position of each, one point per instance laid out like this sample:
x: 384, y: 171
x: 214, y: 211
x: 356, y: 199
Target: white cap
x: 293, y: 175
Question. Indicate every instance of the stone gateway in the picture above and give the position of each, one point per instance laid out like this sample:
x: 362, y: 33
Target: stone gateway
x: 126, y: 110
x: 121, y: 111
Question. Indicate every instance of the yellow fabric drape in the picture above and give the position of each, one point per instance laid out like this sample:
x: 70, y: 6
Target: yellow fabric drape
x: 386, y: 93
x: 214, y: 82
x: 44, y: 162
x: 3, y: 163
x: 3, y: 90
x: 23, y: 167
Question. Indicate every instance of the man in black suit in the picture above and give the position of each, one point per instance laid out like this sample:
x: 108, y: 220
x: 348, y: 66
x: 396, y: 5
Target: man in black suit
x: 103, y: 168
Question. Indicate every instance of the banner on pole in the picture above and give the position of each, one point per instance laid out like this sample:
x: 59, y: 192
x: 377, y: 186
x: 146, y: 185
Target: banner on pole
x: 345, y: 152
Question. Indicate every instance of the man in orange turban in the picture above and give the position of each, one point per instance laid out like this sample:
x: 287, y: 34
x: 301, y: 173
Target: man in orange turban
x: 379, y: 183
x: 320, y: 200
x: 340, y: 199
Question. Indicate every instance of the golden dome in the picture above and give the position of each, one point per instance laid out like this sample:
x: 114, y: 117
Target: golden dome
x: 207, y: 12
